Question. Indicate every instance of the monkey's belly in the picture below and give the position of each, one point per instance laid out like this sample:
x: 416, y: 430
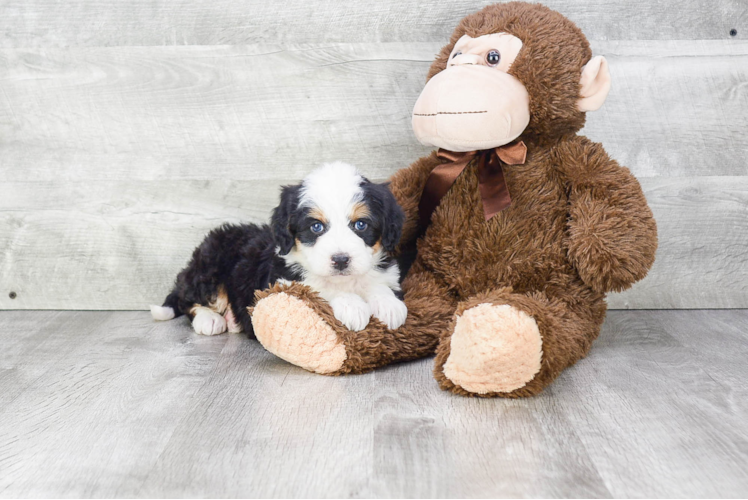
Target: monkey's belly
x: 520, y: 247
x: 468, y: 269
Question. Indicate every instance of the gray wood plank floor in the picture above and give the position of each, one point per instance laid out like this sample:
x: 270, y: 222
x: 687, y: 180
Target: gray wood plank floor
x: 111, y: 404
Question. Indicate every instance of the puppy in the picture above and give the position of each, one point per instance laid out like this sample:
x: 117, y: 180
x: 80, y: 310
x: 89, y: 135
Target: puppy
x: 335, y: 232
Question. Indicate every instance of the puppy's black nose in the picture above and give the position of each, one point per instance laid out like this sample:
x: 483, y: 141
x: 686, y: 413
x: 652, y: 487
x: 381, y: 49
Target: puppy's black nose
x: 340, y: 261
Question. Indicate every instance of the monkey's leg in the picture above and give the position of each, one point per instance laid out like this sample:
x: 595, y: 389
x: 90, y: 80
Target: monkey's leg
x: 295, y: 324
x: 503, y: 344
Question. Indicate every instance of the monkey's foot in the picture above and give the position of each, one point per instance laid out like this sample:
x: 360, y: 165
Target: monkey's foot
x: 493, y: 349
x: 287, y: 324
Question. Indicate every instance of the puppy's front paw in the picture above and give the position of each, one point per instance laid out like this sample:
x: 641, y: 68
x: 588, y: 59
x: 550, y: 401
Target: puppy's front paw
x: 389, y: 310
x: 352, y: 311
x: 207, y: 322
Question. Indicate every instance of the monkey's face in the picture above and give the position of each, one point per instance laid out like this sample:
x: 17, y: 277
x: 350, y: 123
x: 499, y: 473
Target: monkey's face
x: 474, y: 103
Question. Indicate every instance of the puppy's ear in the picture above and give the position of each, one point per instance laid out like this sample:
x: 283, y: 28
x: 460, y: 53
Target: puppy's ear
x: 393, y: 216
x: 280, y: 222
x: 394, y: 220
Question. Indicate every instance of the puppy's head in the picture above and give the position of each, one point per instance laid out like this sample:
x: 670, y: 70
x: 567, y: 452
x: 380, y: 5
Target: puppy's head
x: 336, y: 222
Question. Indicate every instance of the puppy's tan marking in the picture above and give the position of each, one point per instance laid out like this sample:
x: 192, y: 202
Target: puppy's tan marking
x: 359, y: 211
x: 221, y: 301
x: 218, y: 304
x: 316, y: 213
x: 376, y: 247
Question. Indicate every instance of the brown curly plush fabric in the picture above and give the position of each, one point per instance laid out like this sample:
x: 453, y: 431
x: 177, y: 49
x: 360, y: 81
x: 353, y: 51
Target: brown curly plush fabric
x: 577, y: 228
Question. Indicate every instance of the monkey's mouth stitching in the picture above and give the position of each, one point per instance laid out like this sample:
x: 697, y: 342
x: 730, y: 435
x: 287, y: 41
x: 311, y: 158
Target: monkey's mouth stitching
x: 450, y: 113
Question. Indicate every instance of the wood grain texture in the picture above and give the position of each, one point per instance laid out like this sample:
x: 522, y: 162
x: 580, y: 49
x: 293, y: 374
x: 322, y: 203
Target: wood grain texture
x: 676, y: 108
x: 656, y: 357
x: 246, y: 113
x: 102, y: 245
x: 119, y: 245
x: 134, y: 408
x: 104, y: 402
x: 702, y: 259
x: 48, y: 23
x: 259, y: 424
x: 116, y: 161
x: 473, y: 448
x: 273, y: 112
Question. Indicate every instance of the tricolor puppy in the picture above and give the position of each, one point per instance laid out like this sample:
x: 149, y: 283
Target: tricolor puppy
x: 334, y: 232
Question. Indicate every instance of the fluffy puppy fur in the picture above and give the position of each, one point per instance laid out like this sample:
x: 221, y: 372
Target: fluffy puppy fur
x: 335, y: 232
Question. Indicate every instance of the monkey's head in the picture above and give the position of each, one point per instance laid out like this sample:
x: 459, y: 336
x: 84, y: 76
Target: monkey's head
x: 513, y: 70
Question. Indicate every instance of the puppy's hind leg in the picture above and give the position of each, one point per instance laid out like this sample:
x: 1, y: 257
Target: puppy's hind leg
x: 162, y: 313
x: 169, y: 310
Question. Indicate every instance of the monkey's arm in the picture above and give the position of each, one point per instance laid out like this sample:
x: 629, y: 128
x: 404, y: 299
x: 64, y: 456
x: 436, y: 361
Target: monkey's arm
x: 407, y: 185
x: 612, y: 236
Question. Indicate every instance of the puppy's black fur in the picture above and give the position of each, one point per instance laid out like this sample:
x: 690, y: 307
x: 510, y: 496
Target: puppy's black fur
x: 242, y: 258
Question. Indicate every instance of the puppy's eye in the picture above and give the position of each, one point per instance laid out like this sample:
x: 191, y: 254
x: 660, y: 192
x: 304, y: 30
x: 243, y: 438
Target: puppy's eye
x: 493, y: 57
x: 317, y: 227
x: 458, y: 53
x: 360, y: 225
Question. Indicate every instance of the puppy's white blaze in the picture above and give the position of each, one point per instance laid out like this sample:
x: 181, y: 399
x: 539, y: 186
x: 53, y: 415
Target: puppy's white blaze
x: 162, y: 313
x: 334, y: 189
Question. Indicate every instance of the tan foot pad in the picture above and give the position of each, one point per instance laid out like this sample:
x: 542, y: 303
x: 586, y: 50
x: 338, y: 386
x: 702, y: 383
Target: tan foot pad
x: 290, y: 329
x: 494, y: 349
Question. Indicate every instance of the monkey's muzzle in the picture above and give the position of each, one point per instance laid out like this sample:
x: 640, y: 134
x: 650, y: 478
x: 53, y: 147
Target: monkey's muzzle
x: 470, y: 107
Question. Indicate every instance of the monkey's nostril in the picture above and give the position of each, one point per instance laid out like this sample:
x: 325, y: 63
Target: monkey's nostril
x: 340, y: 261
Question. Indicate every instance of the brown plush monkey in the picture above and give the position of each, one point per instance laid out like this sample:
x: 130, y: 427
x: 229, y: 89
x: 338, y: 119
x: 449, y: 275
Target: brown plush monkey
x: 522, y: 225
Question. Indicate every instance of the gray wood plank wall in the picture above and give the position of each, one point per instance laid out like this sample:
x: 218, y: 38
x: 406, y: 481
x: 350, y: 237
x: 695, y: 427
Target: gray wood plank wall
x: 127, y: 130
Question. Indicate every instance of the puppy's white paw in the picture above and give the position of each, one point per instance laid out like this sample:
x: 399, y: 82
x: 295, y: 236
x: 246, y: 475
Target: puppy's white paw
x: 162, y: 313
x: 352, y: 311
x: 389, y: 310
x: 208, y: 322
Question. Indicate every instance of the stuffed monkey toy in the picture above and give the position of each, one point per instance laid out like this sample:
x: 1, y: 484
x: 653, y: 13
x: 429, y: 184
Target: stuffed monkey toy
x: 521, y: 225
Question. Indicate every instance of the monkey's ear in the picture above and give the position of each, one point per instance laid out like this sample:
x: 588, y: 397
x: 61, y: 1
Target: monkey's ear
x: 595, y: 84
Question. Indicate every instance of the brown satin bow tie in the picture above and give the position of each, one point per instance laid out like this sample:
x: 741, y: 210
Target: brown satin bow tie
x: 493, y: 190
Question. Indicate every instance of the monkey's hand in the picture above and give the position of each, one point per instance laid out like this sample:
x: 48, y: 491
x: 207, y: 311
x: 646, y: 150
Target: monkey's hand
x: 611, y: 236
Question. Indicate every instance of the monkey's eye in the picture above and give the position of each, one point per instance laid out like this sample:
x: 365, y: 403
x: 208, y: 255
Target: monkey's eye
x: 360, y: 225
x: 317, y: 227
x: 458, y: 53
x: 493, y: 58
